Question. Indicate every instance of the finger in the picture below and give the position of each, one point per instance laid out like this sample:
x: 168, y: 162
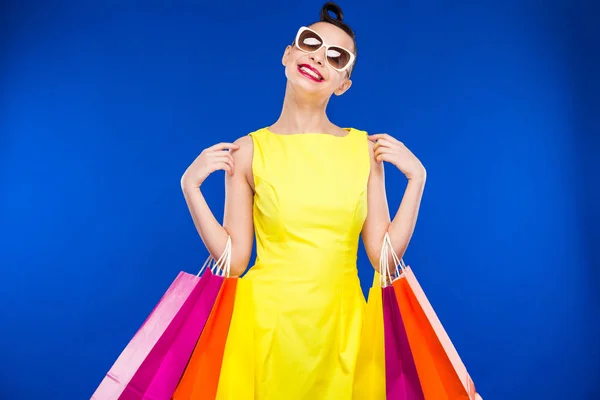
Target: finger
x: 222, y: 156
x: 227, y: 160
x: 224, y: 146
x: 232, y: 166
x: 383, y: 150
x: 384, y: 157
x: 383, y: 142
x: 223, y: 166
x: 383, y: 136
x: 231, y: 163
x: 377, y: 136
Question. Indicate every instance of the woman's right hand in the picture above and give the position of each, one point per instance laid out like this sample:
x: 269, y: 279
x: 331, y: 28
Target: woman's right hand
x: 211, y: 159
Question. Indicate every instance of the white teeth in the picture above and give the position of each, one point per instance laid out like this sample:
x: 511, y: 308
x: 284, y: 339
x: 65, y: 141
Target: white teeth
x: 310, y: 72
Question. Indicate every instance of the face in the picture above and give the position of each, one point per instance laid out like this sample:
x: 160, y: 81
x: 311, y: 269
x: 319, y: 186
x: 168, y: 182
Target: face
x: 312, y: 72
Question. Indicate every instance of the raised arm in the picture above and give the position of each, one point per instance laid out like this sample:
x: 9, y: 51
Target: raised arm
x: 236, y: 159
x: 385, y: 148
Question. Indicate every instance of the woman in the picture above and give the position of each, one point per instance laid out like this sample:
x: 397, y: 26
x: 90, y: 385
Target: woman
x: 307, y: 188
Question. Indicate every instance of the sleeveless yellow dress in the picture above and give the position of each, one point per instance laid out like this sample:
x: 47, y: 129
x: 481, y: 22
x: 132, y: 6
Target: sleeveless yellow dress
x: 296, y: 327
x: 310, y: 204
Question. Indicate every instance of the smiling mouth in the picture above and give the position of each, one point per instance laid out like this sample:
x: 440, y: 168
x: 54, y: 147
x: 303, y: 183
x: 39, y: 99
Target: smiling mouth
x: 310, y: 72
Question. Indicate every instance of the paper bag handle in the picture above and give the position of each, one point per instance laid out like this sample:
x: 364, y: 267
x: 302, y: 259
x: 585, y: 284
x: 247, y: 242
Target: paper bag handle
x: 385, y: 275
x: 222, y: 266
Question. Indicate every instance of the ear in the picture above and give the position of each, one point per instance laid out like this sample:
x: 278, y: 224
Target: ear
x: 286, y: 55
x: 343, y: 88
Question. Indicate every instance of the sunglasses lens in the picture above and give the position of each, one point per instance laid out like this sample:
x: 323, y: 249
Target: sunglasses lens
x: 309, y: 41
x: 338, y: 57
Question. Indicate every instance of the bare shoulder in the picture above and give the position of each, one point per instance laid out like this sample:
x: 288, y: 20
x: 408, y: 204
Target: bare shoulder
x: 246, y: 149
x: 242, y: 158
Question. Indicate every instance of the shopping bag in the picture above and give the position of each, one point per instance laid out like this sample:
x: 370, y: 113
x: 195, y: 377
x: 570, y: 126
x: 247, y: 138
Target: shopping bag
x: 369, y: 380
x: 442, y: 373
x: 236, y: 381
x: 166, y: 317
x: 165, y: 340
x: 401, y: 377
x: 169, y: 372
x: 201, y: 377
x: 451, y: 370
x: 433, y: 387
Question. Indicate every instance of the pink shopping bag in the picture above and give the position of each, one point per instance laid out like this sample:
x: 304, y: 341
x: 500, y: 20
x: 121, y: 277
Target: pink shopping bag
x: 168, y: 316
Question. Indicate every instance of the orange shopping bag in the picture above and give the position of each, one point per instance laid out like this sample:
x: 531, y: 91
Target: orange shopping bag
x: 200, y: 379
x: 441, y: 371
x: 432, y: 385
x: 236, y: 381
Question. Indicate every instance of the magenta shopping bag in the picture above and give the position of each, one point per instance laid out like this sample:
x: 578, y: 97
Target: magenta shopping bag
x: 166, y: 378
x: 168, y: 315
x: 401, y: 377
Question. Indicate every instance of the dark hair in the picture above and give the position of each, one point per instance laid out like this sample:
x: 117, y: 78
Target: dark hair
x: 337, y: 20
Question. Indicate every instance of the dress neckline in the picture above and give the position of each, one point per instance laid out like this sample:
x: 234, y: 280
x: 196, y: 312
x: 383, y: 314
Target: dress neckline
x: 349, y: 130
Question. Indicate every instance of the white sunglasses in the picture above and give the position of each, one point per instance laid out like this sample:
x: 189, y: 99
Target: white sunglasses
x: 338, y: 57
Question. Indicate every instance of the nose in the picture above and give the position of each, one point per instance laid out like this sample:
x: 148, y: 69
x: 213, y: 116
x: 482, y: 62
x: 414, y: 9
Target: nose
x: 319, y: 56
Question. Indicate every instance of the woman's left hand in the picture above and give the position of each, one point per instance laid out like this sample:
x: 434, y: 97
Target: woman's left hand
x: 393, y: 151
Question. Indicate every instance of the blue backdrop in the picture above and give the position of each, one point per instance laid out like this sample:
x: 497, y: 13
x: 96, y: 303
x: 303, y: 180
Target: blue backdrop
x: 103, y: 106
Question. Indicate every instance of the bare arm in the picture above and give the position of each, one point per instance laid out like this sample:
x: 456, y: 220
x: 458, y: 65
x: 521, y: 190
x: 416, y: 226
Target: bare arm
x: 401, y: 228
x: 237, y: 220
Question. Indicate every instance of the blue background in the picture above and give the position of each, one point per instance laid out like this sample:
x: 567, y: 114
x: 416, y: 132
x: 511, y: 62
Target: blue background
x: 104, y: 104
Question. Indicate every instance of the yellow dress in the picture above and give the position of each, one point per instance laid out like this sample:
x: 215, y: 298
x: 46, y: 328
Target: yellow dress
x: 310, y: 204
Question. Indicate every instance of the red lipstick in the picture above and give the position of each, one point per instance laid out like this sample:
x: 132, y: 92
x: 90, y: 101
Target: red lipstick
x: 303, y: 67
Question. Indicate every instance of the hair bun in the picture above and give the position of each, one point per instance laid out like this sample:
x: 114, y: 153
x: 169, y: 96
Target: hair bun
x: 331, y: 7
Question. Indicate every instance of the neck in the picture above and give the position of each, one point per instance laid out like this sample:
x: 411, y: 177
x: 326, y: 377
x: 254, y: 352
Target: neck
x: 302, y: 114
